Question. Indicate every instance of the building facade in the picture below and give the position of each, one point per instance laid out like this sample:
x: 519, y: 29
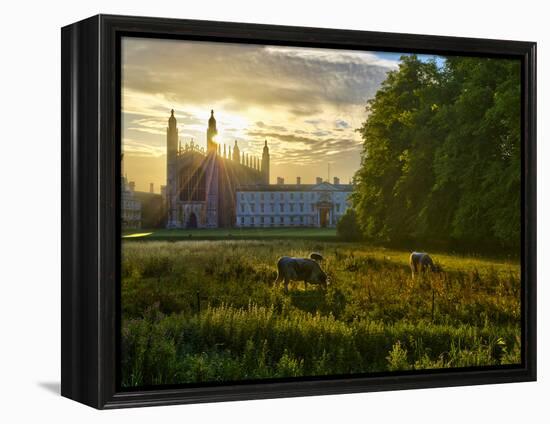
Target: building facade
x: 130, y: 206
x: 225, y: 187
x: 201, y: 185
x: 292, y: 205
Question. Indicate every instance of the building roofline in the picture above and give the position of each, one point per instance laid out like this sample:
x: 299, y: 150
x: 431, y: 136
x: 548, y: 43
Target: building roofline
x: 294, y: 187
x: 147, y: 193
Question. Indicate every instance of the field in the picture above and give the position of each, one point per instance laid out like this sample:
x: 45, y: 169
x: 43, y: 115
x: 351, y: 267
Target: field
x: 206, y: 311
x: 326, y: 234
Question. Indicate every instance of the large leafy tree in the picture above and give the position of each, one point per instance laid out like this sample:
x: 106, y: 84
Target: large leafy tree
x: 441, y: 156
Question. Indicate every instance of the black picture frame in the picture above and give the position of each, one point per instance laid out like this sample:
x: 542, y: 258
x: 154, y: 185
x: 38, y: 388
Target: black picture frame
x: 90, y: 175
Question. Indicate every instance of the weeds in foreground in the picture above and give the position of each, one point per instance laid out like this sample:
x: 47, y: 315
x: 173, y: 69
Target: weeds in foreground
x: 188, y: 319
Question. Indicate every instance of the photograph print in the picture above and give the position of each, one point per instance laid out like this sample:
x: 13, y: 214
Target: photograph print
x: 290, y: 213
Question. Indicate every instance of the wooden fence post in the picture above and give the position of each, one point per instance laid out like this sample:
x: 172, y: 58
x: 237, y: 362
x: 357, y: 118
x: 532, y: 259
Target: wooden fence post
x: 433, y: 303
x: 198, y: 301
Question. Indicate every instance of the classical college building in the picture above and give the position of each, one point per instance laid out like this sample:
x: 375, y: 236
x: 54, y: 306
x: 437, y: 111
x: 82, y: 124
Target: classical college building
x: 292, y: 205
x: 227, y: 188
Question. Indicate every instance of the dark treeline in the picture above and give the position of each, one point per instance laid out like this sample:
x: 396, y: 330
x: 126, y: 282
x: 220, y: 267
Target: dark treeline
x: 441, y: 157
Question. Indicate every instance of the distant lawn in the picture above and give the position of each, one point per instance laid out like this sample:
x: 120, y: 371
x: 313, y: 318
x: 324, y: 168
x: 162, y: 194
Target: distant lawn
x: 231, y: 234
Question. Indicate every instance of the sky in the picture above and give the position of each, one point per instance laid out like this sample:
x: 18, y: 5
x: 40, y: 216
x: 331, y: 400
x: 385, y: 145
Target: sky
x: 307, y: 103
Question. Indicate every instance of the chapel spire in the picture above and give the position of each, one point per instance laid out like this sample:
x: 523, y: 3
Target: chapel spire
x: 265, y: 164
x: 211, y: 133
x: 236, y: 153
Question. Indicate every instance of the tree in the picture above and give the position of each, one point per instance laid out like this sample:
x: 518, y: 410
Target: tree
x: 441, y: 154
x: 347, y: 227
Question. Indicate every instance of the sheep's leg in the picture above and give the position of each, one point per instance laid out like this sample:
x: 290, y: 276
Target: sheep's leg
x: 413, y: 269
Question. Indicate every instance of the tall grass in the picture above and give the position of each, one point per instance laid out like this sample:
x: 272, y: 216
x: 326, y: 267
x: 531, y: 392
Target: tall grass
x: 207, y: 311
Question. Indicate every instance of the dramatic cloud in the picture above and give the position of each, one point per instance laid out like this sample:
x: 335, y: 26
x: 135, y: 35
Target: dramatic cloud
x: 340, y: 124
x: 306, y: 102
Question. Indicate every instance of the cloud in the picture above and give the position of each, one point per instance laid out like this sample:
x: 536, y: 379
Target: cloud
x: 283, y: 137
x: 313, y: 121
x: 341, y: 124
x: 306, y: 102
x: 251, y: 75
x: 292, y: 148
x: 305, y: 111
x: 260, y: 124
x: 334, y: 56
x: 138, y: 148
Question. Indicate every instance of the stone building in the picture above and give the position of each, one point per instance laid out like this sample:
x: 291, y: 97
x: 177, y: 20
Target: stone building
x: 130, y: 206
x: 292, y: 205
x: 221, y: 188
x: 201, y: 185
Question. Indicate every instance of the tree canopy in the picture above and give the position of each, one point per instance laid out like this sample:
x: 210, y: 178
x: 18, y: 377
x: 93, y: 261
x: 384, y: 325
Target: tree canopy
x: 441, y: 158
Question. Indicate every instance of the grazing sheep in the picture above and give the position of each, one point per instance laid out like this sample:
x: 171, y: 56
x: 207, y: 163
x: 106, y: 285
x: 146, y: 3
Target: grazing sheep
x: 316, y: 256
x: 300, y: 269
x: 421, y: 262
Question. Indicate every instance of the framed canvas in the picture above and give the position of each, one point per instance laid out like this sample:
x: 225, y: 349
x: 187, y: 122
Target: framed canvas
x: 254, y: 211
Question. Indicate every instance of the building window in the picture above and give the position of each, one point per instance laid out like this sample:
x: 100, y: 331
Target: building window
x: 252, y: 196
x: 291, y: 196
x: 192, y: 186
x: 242, y: 196
x: 282, y: 207
x: 272, y: 196
x: 301, y: 196
x: 242, y: 207
x: 261, y: 196
x: 252, y: 220
x: 242, y: 220
x: 262, y: 207
x: 291, y: 207
x: 272, y: 220
x: 261, y: 220
x: 301, y: 219
x: 312, y: 207
x: 272, y: 207
x: 281, y: 220
x: 337, y: 208
x: 301, y: 207
x: 253, y: 207
x: 282, y: 196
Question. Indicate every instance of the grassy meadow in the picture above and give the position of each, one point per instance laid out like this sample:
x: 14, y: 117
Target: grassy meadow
x: 207, y: 311
x: 283, y: 233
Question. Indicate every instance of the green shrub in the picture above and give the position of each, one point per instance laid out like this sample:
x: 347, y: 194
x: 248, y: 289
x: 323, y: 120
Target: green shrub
x: 397, y: 358
x: 347, y: 227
